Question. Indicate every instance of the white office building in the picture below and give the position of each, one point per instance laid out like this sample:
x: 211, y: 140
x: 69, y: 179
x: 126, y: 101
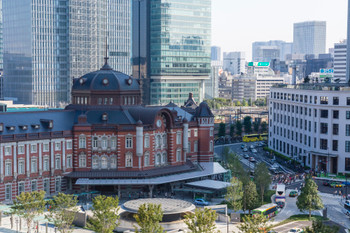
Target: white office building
x: 311, y: 123
x: 234, y: 62
x: 212, y: 84
x: 340, y: 61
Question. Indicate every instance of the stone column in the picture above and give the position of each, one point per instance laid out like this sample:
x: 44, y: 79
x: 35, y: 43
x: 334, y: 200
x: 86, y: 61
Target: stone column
x: 40, y: 145
x: 64, y: 155
x: 185, y: 138
x: 2, y: 163
x: 28, y: 159
x: 52, y: 157
x: 15, y: 161
x: 139, y: 142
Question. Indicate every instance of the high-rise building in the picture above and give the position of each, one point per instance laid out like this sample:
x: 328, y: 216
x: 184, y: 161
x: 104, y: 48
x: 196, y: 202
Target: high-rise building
x: 171, y: 49
x: 340, y: 52
x: 234, y: 62
x: 215, y: 53
x: 48, y: 43
x: 348, y: 45
x: 212, y: 84
x: 309, y: 37
x: 265, y: 51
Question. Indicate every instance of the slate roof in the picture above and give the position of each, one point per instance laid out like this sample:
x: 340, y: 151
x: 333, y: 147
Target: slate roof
x: 63, y: 120
x: 203, y: 111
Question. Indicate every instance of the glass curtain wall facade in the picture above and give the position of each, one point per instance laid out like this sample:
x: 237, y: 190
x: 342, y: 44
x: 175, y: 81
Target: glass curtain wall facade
x: 47, y: 43
x: 171, y: 48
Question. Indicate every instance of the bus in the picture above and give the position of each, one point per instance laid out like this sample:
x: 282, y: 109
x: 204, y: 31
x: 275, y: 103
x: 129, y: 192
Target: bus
x: 254, y: 137
x: 280, y: 193
x: 268, y: 210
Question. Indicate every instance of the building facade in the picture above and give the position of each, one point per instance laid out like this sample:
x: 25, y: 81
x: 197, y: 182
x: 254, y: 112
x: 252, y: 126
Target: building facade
x: 215, y: 53
x: 212, y: 84
x: 311, y: 123
x: 68, y: 40
x: 309, y: 37
x: 265, y: 51
x: 340, y: 52
x: 176, y: 58
x: 234, y: 62
x: 105, y: 141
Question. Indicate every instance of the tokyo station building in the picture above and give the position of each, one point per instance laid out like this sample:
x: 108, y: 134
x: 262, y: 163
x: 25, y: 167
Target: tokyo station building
x: 105, y: 140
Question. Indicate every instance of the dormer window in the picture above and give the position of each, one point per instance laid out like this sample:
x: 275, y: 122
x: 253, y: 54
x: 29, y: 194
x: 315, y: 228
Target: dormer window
x: 104, y: 117
x: 1, y: 127
x: 105, y: 81
x: 36, y: 126
x: 23, y: 127
x: 47, y: 123
x: 11, y: 128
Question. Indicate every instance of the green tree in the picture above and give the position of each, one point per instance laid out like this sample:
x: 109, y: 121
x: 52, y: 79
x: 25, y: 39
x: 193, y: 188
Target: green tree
x: 236, y: 168
x: 254, y: 224
x: 250, y: 196
x: 105, y: 214
x: 239, y: 128
x: 238, y: 103
x: 262, y: 179
x: 234, y: 194
x: 225, y: 153
x: 319, y: 227
x: 247, y: 122
x: 309, y: 198
x: 232, y: 130
x: 29, y: 205
x: 62, y: 211
x: 256, y: 126
x: 201, y: 221
x: 244, y: 103
x: 263, y: 126
x: 222, y: 129
x: 148, y: 217
x: 307, y: 79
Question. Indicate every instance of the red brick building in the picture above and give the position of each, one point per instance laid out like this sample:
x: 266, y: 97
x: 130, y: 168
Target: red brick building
x: 107, y: 141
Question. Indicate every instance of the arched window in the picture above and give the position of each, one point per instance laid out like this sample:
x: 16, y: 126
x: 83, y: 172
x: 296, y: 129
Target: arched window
x: 164, y: 137
x: 113, y: 142
x: 158, y: 159
x: 164, y: 158
x: 82, y: 160
x: 211, y: 146
x: 104, y: 143
x: 146, y: 159
x: 113, y: 162
x: 95, y: 162
x: 128, y: 159
x: 82, y: 141
x: 95, y: 142
x: 104, y: 162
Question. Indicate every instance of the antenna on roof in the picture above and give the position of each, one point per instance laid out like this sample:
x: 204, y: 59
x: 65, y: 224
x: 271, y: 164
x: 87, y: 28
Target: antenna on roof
x: 106, y: 55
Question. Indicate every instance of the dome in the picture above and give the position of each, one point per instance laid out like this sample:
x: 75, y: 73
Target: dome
x: 106, y: 79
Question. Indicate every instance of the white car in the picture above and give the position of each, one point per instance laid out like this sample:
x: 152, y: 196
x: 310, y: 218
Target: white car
x: 245, y: 149
x: 254, y: 151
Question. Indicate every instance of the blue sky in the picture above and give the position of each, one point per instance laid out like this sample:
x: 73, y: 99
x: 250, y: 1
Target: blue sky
x: 238, y: 23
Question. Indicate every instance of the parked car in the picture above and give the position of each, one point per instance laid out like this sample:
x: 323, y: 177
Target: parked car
x: 251, y: 146
x: 245, y: 149
x: 252, y: 159
x: 336, y: 185
x: 246, y: 156
x: 326, y: 183
x: 295, y: 230
x: 242, y: 146
x: 201, y: 201
x: 293, y: 193
x: 254, y: 151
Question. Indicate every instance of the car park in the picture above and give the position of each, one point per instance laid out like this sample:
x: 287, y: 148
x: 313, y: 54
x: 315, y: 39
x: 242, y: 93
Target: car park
x: 293, y: 193
x: 201, y: 201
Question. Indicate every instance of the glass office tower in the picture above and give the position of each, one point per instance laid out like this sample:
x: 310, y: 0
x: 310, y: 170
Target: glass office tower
x: 175, y: 59
x: 49, y: 42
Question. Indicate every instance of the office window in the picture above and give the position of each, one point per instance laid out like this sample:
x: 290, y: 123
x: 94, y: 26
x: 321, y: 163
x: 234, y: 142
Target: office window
x: 347, y: 100
x: 315, y: 112
x: 57, y: 146
x: 315, y: 100
x: 69, y: 161
x: 347, y: 164
x: 33, y: 166
x: 335, y: 145
x: 348, y: 115
x: 146, y: 159
x: 335, y: 100
x: 128, y: 159
x: 58, y: 184
x: 20, y: 187
x: 113, y: 163
x: 335, y: 129
x: 147, y: 141
x: 21, y: 167
x: 46, y: 147
x: 347, y: 146
x: 20, y: 149
x: 347, y: 130
x: 178, y: 155
x: 128, y: 142
x: 323, y: 144
x: 335, y: 114
x: 178, y: 137
x: 95, y: 142
x: 8, y: 192
x: 82, y: 141
x: 8, y: 168
x: 324, y: 128
x: 58, y: 162
x: 113, y: 142
x: 82, y: 160
x: 46, y: 165
x: 69, y: 145
x: 324, y: 99
x: 324, y: 113
x: 34, y: 185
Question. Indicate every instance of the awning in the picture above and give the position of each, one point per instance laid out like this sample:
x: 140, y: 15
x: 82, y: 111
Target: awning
x: 193, y: 190
x: 323, y: 154
x: 208, y: 169
x: 209, y: 184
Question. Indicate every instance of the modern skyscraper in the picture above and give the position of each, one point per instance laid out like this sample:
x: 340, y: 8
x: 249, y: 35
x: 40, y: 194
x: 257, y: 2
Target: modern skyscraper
x: 234, y: 62
x: 48, y: 42
x: 265, y: 51
x: 309, y: 37
x: 171, y: 48
x: 212, y: 84
x: 340, y: 52
x: 348, y: 46
x: 215, y: 53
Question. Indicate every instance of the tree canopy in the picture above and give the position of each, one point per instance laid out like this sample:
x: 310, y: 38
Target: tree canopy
x: 247, y: 122
x: 222, y: 129
x: 254, y: 224
x: 105, y: 214
x: 250, y: 196
x: 262, y: 179
x: 239, y: 128
x: 234, y: 194
x: 319, y: 227
x: 148, y: 217
x: 201, y: 221
x: 309, y: 198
